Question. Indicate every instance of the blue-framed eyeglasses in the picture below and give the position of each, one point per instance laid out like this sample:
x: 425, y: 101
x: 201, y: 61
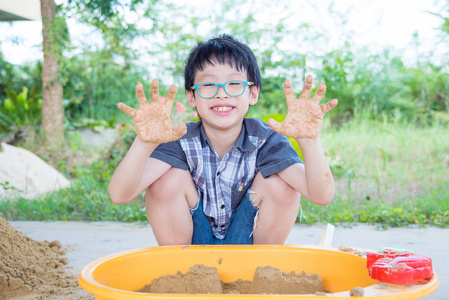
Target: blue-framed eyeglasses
x: 232, y: 88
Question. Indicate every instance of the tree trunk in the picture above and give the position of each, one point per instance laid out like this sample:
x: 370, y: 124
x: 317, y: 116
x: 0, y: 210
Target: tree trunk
x: 52, y: 109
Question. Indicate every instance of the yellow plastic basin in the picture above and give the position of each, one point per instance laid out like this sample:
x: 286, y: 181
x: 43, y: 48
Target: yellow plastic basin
x: 117, y: 276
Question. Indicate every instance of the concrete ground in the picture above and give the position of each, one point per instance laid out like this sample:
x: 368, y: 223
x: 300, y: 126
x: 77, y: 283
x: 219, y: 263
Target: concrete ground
x: 86, y: 242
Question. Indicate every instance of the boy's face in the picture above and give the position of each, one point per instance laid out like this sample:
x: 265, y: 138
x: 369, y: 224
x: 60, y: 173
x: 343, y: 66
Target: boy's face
x: 222, y: 111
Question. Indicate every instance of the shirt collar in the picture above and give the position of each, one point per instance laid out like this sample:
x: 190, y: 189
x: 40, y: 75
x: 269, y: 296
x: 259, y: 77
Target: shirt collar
x: 243, y: 142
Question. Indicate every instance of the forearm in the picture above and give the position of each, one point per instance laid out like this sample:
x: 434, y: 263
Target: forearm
x: 126, y: 178
x: 319, y: 180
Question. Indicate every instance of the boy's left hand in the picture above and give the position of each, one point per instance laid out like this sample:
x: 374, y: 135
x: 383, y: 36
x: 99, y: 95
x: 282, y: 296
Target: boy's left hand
x: 305, y: 116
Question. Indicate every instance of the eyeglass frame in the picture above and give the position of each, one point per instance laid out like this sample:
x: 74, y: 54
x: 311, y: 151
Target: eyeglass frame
x: 218, y: 85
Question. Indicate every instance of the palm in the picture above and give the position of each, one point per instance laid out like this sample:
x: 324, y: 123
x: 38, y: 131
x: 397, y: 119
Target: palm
x: 152, y: 120
x: 305, y: 116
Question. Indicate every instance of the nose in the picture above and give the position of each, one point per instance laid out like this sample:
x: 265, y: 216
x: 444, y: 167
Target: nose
x: 221, y: 93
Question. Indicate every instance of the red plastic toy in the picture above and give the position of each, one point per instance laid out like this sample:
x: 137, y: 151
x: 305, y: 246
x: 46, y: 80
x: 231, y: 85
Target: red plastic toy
x: 399, y: 266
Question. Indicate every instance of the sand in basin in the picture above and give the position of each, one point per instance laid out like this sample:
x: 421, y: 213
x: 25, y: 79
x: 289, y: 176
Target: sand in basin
x: 201, y: 279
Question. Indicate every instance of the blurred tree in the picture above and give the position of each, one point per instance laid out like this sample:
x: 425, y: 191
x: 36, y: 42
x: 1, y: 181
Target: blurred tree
x: 94, y: 82
x: 8, y: 76
x: 55, y: 34
x: 444, y: 15
x: 104, y: 74
x: 96, y: 76
x: 107, y: 16
x: 279, y: 46
x: 117, y: 20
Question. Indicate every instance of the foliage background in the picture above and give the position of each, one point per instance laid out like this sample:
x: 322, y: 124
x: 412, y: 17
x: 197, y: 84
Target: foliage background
x: 387, y: 140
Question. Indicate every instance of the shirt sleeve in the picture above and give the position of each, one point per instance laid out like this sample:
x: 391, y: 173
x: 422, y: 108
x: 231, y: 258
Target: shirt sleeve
x: 276, y: 154
x: 172, y: 154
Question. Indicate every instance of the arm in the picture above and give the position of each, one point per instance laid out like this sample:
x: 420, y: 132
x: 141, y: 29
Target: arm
x: 135, y: 172
x: 304, y: 120
x: 315, y: 182
x: 153, y: 127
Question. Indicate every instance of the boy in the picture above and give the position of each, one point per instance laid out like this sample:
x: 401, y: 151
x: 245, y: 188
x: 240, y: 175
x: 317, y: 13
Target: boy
x: 225, y: 179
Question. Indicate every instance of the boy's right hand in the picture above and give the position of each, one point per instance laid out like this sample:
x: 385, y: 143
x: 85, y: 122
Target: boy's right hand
x: 152, y: 120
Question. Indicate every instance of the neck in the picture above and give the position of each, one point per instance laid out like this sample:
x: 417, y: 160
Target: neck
x: 222, y: 140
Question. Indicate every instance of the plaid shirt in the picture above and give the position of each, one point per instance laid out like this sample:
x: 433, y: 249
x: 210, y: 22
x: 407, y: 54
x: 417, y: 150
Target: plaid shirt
x: 223, y: 183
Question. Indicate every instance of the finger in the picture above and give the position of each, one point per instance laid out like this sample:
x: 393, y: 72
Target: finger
x: 171, y: 95
x: 126, y: 109
x: 328, y: 106
x: 180, y: 130
x: 140, y: 94
x: 307, y: 87
x: 288, y: 91
x: 154, y: 91
x: 275, y: 125
x: 319, y: 93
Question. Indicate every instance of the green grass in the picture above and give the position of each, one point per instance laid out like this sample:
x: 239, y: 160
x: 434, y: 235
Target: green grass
x: 394, y: 174
x: 431, y: 209
x: 77, y: 203
x: 391, y: 162
x: 86, y: 199
x: 390, y: 173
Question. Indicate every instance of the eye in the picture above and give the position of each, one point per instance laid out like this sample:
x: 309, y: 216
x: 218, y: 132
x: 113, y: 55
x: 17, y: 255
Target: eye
x: 208, y: 84
x: 235, y: 83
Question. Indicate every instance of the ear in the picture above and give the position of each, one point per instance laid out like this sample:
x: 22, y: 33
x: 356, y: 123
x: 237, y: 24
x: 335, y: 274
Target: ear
x: 191, y: 98
x: 254, y: 95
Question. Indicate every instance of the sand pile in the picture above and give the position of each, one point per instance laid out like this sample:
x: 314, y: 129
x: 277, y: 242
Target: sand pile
x: 26, y: 175
x: 270, y: 280
x: 33, y: 267
x: 201, y: 279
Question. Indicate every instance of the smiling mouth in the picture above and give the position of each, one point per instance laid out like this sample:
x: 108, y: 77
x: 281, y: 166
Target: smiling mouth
x: 222, y: 108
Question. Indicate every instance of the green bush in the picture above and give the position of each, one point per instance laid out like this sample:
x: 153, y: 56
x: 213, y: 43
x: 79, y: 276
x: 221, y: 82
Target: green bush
x: 21, y: 110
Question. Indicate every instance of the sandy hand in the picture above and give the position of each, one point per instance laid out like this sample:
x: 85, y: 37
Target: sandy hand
x: 152, y: 120
x: 305, y: 116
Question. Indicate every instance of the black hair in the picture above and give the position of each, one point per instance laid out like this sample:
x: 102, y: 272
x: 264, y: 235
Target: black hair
x: 224, y: 49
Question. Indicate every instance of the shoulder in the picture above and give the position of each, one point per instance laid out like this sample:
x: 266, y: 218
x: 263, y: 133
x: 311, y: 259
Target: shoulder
x: 193, y: 129
x: 257, y: 127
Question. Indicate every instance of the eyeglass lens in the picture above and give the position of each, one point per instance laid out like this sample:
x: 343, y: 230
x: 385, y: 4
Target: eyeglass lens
x: 232, y: 88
